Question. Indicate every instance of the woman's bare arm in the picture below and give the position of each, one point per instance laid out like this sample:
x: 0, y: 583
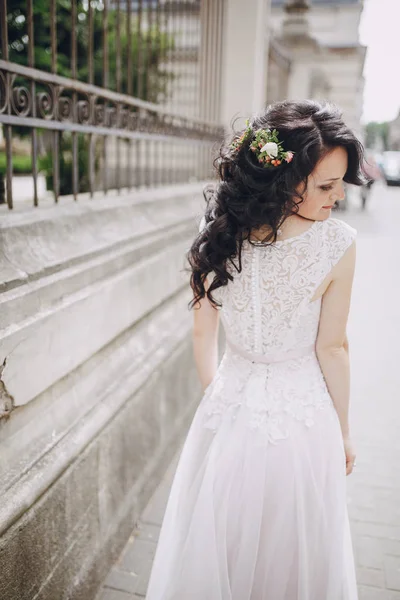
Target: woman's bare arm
x: 332, y: 344
x: 205, y: 340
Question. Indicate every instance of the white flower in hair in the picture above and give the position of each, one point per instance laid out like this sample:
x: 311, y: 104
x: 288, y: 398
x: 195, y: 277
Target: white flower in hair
x: 271, y: 148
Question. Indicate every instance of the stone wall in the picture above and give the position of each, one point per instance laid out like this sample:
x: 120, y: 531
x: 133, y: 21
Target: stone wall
x: 99, y: 380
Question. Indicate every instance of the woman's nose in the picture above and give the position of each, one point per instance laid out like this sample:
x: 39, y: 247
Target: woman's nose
x: 340, y: 195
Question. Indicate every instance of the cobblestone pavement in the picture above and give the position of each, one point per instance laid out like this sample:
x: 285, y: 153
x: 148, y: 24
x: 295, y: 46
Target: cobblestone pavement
x: 374, y: 487
x: 128, y: 578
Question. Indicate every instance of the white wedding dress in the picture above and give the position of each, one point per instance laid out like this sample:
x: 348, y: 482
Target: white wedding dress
x: 257, y: 509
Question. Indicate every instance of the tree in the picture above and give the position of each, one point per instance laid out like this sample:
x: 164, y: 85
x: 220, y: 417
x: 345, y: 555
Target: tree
x: 377, y: 135
x: 151, y: 45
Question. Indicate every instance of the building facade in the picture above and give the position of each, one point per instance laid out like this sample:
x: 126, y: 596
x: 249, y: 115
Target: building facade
x: 323, y: 55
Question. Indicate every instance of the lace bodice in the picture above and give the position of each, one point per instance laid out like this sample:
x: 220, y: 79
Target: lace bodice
x: 267, y: 307
x: 269, y: 374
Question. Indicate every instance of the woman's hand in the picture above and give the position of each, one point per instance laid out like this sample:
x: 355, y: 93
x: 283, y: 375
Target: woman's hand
x: 350, y: 454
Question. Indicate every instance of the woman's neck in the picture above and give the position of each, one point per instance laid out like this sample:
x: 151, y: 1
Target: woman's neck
x: 293, y: 225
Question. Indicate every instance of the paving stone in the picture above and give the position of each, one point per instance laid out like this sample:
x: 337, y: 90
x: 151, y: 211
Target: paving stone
x: 154, y: 511
x: 387, y: 532
x: 374, y: 515
x: 122, y: 581
x: 371, y: 577
x: 148, y: 531
x: 372, y: 593
x: 392, y: 572
x: 126, y: 550
x: 369, y: 552
x: 109, y: 594
x: 391, y: 547
x: 139, y: 557
x: 143, y: 582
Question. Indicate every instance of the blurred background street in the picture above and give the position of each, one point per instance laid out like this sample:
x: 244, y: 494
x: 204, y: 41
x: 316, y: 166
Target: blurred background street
x: 111, y: 112
x: 374, y: 330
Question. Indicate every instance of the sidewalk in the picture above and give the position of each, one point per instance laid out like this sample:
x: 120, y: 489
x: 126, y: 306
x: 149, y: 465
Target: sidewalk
x: 374, y: 487
x: 128, y: 578
x: 375, y: 522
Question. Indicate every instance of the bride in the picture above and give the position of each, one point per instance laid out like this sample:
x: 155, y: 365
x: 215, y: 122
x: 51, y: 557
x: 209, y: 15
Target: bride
x: 257, y: 509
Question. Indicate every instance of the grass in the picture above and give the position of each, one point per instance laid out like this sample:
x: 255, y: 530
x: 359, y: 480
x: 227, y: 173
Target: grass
x: 22, y: 165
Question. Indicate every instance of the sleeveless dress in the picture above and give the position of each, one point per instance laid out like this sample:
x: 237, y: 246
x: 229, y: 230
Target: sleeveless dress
x: 257, y: 509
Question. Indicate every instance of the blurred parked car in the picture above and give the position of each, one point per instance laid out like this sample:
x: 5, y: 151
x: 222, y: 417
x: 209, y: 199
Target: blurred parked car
x: 372, y: 173
x: 391, y: 167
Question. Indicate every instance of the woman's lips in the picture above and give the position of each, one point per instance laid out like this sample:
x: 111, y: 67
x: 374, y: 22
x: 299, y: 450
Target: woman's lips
x: 330, y: 206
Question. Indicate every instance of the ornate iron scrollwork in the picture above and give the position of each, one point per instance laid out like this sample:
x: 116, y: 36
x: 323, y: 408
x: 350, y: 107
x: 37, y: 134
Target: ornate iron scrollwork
x: 86, y: 109
x: 3, y: 92
x: 21, y: 101
x: 45, y: 105
x: 163, y: 68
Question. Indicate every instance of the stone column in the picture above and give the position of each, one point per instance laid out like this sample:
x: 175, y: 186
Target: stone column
x: 295, y: 24
x: 245, y: 59
x: 305, y: 49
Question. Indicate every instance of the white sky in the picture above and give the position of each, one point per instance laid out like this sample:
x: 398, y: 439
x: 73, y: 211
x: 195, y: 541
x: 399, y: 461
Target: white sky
x: 380, y: 31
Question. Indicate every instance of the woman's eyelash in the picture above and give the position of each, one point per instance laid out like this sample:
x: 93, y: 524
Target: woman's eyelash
x: 326, y: 188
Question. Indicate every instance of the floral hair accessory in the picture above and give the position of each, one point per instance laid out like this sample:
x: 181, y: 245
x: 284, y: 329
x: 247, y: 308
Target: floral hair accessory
x: 268, y: 149
x: 238, y: 143
x: 265, y: 145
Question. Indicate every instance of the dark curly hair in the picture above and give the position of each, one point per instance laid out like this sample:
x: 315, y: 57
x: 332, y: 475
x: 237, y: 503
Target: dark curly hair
x: 249, y: 196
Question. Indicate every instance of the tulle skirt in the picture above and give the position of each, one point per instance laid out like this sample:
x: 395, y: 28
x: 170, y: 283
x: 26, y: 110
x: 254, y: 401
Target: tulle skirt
x: 251, y: 521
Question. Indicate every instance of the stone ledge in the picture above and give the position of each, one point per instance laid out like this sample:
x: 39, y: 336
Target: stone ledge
x: 22, y: 302
x: 104, y: 381
x: 51, y: 343
x: 42, y: 241
x: 102, y: 291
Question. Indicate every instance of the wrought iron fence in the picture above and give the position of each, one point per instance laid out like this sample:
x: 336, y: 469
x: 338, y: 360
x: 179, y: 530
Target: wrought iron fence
x: 111, y: 94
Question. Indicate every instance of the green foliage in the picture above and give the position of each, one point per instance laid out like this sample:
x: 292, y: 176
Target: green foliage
x: 377, y: 134
x: 65, y: 164
x: 151, y: 46
x: 150, y: 82
x: 22, y: 165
